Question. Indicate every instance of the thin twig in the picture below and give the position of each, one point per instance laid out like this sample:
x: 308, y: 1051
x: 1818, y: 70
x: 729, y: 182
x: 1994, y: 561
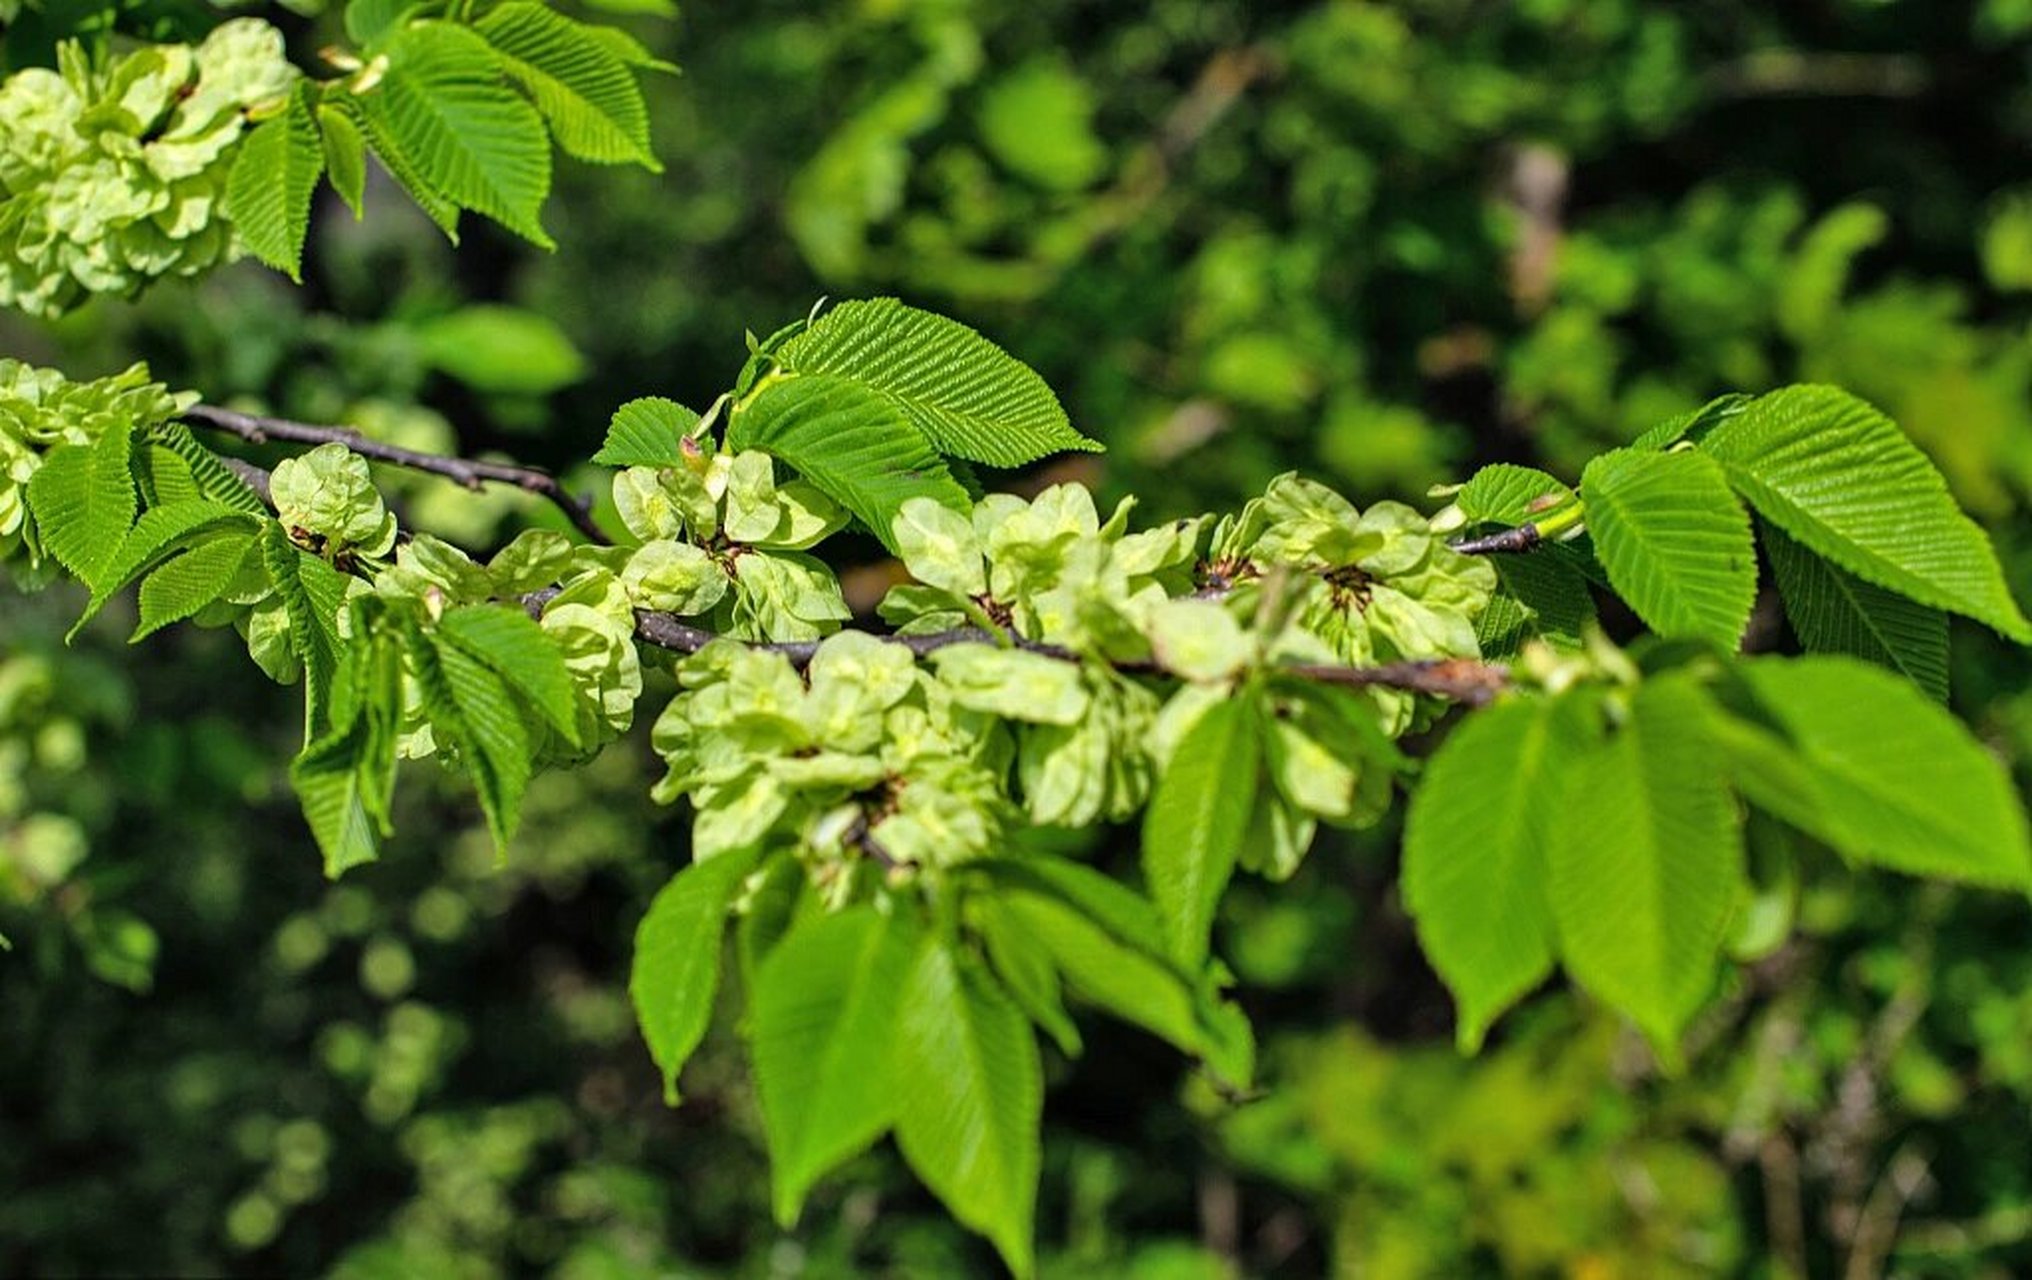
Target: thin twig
x: 1877, y: 1229
x: 1525, y: 537
x: 1457, y: 679
x: 468, y: 472
x: 1787, y: 73
x: 1784, y: 1206
x: 1856, y: 1119
x: 254, y: 477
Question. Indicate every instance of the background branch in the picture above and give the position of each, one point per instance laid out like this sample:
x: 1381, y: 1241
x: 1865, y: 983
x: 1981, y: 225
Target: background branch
x: 468, y: 472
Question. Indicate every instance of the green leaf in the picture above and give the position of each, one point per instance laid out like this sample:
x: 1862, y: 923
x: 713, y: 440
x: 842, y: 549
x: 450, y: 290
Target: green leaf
x: 1478, y: 841
x: 369, y: 20
x: 511, y: 644
x: 1675, y: 542
x: 1842, y: 479
x: 626, y: 47
x: 214, y: 478
x: 856, y: 446
x: 471, y: 707
x: 1127, y: 916
x: 1024, y: 963
x: 346, y: 778
x: 769, y: 907
x: 676, y: 971
x: 1648, y: 862
x: 330, y: 778
x: 459, y: 129
x: 647, y: 433
x: 312, y: 592
x: 1198, y: 816
x: 1506, y: 494
x: 823, y: 1019
x: 268, y: 192
x: 651, y: 8
x: 84, y: 502
x: 345, y: 156
x: 1833, y: 611
x: 1695, y: 424
x: 159, y: 533
x: 1128, y: 969
x: 1539, y: 596
x: 1038, y: 121
x: 392, y: 148
x: 1862, y: 760
x: 966, y: 395
x: 500, y: 350
x: 583, y: 87
x: 190, y: 581
x: 164, y: 476
x: 1110, y: 974
x: 968, y: 1120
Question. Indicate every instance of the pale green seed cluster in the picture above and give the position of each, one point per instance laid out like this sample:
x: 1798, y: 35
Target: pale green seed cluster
x: 112, y: 176
x: 1117, y: 642
x: 327, y: 497
x: 864, y: 757
x: 1377, y: 586
x: 40, y: 408
x: 722, y: 540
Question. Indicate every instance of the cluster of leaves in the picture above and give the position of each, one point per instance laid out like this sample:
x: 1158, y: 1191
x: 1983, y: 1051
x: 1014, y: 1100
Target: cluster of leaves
x: 866, y: 807
x: 118, y: 170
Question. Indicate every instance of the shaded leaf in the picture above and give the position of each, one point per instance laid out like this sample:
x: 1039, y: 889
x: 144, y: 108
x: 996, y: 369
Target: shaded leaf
x: 345, y: 156
x: 1649, y: 862
x: 1859, y: 758
x: 500, y: 350
x: 1833, y: 611
x: 1198, y: 815
x: 676, y: 970
x: 824, y: 1023
x: 1478, y: 842
x: 968, y: 1122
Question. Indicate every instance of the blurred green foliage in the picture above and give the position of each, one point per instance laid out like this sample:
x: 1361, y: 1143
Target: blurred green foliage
x: 1379, y: 242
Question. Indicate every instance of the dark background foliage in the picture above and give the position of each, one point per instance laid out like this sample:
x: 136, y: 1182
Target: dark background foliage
x: 1379, y: 242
